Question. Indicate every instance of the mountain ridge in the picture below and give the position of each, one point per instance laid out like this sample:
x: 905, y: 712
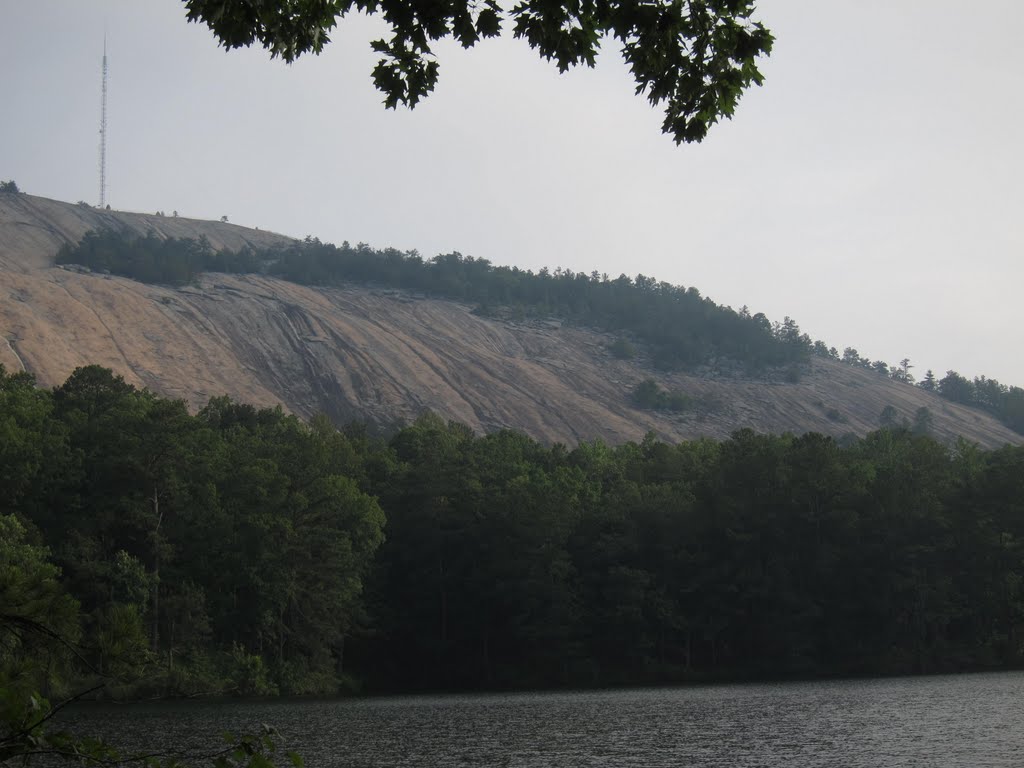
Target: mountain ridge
x: 384, y: 355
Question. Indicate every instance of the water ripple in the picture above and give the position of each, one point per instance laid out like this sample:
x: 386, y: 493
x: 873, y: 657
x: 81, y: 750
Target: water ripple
x: 974, y: 721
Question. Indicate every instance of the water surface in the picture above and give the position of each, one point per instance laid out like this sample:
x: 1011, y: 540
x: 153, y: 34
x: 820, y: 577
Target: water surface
x: 974, y: 721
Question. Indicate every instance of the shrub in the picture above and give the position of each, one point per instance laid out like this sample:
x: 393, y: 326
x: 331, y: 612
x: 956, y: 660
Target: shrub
x: 834, y: 414
x: 650, y: 396
x: 622, y: 349
x: 248, y: 673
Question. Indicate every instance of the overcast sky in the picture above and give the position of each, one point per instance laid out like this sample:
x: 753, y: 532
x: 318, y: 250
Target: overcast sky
x: 873, y: 189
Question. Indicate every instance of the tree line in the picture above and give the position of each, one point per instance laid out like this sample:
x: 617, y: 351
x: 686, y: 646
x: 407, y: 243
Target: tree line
x: 152, y: 258
x: 680, y: 327
x: 1006, y: 403
x: 243, y: 551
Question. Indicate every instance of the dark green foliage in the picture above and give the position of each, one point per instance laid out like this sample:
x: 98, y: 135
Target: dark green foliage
x: 1003, y: 402
x: 923, y: 422
x: 241, y: 550
x: 650, y: 396
x: 823, y: 350
x: 682, y: 328
x: 9, y: 188
x: 695, y: 57
x: 622, y: 349
x: 955, y: 387
x: 153, y: 259
x: 38, y: 620
x: 852, y: 357
x: 889, y: 418
x: 191, y: 542
x: 902, y: 372
x: 755, y: 556
x: 834, y: 414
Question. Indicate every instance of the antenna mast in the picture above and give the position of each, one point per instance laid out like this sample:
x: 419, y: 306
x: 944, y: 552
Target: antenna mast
x: 103, y: 130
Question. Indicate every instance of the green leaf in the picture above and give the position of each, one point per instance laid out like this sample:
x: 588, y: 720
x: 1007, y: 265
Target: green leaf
x: 488, y: 23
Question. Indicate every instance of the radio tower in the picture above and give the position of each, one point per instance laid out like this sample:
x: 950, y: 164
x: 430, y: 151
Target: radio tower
x: 103, y: 131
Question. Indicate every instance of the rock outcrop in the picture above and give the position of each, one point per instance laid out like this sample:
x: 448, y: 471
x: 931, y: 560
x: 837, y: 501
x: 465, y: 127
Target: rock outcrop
x: 383, y: 355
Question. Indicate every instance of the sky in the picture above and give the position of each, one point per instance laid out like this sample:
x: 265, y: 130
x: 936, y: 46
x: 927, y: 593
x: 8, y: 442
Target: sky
x: 872, y: 189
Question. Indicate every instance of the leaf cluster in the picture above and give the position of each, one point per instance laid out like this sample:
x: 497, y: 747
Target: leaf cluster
x: 694, y: 58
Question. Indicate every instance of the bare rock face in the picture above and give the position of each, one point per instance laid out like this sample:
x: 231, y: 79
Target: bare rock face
x: 360, y: 353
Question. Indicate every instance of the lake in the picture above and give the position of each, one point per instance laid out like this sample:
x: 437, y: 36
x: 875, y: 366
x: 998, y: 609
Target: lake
x: 965, y: 720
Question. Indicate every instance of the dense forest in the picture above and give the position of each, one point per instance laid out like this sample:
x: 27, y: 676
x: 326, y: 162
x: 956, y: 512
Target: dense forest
x: 678, y: 327
x: 243, y: 551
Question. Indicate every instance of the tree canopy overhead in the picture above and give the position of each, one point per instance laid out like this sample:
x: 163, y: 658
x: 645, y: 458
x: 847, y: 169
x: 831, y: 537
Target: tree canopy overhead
x: 694, y: 58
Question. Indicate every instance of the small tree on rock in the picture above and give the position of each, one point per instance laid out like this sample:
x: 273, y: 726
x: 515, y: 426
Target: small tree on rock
x: 889, y: 418
x: 923, y: 422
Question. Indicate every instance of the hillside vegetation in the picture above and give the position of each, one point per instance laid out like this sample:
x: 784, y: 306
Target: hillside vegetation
x: 681, y: 328
x: 242, y: 550
x: 358, y: 349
